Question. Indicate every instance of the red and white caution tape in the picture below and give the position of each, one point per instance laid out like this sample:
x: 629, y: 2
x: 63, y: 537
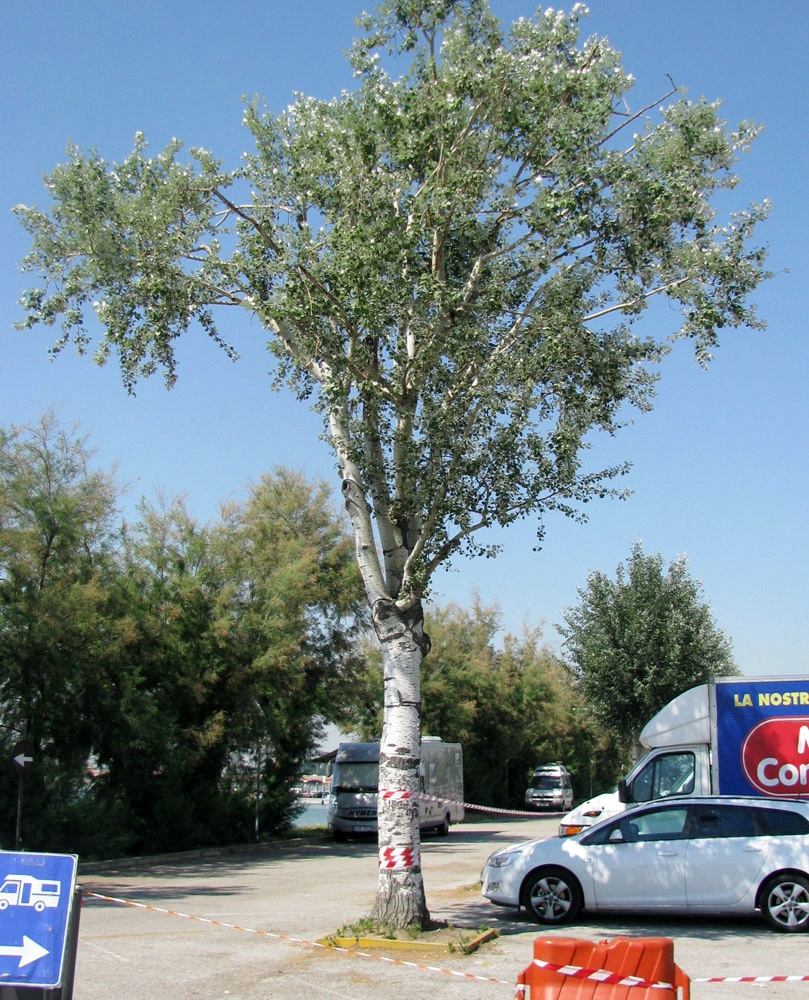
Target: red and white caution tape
x: 617, y: 979
x: 398, y: 794
x: 398, y: 857
x: 301, y: 941
x: 753, y: 979
x: 596, y: 975
x: 599, y: 976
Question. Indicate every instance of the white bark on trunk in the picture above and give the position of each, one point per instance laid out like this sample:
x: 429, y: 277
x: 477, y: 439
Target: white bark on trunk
x: 400, y: 898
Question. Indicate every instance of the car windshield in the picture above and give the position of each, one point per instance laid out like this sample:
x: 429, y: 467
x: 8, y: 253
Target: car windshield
x: 546, y: 782
x: 356, y: 776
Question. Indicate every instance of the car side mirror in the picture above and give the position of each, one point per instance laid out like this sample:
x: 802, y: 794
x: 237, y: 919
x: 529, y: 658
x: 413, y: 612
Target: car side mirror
x: 623, y: 791
x: 616, y: 836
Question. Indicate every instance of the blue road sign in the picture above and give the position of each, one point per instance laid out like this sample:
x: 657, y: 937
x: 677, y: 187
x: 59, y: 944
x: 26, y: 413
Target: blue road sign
x: 36, y: 896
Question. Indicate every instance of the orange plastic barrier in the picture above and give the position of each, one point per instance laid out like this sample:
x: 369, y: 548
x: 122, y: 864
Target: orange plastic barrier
x: 594, y: 971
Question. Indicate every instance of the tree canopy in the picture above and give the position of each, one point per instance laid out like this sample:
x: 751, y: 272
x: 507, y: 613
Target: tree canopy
x: 641, y: 639
x: 456, y: 259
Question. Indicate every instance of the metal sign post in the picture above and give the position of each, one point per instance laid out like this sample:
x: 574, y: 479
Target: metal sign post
x: 22, y: 757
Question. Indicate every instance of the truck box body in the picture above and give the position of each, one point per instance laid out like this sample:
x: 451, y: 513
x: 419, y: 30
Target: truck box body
x: 735, y: 736
x: 355, y: 783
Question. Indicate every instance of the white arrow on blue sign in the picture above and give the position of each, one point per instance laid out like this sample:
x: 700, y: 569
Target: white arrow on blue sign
x: 36, y: 896
x: 28, y: 952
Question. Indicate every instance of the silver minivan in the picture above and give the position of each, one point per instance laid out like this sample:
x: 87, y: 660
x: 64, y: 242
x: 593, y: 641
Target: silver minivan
x: 550, y: 788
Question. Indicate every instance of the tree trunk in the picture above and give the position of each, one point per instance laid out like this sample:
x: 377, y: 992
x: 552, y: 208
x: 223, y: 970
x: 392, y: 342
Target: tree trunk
x: 400, y: 899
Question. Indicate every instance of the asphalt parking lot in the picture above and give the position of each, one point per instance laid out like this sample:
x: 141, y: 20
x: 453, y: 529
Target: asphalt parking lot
x: 258, y: 910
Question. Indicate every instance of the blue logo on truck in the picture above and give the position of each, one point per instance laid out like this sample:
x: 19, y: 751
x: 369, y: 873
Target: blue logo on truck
x: 762, y: 738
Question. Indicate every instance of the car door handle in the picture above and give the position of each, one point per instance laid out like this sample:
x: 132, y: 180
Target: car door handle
x: 752, y: 850
x: 669, y: 854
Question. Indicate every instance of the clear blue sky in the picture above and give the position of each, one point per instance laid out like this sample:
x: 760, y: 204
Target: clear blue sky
x: 720, y: 466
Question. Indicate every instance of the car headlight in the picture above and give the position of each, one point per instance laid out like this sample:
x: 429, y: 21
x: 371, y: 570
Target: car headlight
x: 501, y: 860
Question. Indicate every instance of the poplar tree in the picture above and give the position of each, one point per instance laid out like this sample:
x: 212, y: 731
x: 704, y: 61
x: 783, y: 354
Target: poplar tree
x: 451, y: 260
x: 639, y: 640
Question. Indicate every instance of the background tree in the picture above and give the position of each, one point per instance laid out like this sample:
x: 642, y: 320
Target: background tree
x: 58, y: 620
x: 452, y: 262
x: 639, y: 640
x: 188, y: 665
x: 162, y: 743
x: 293, y: 605
x: 241, y: 643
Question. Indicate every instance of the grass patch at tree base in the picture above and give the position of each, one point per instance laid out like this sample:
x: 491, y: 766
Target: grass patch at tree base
x: 437, y: 936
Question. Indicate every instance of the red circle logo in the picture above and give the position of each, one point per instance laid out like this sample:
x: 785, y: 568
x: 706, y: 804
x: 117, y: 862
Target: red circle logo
x: 775, y: 756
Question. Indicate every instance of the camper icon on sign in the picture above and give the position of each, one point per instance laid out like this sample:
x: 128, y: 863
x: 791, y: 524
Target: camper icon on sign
x: 25, y: 890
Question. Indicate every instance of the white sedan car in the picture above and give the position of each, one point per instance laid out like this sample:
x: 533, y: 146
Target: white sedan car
x: 728, y: 854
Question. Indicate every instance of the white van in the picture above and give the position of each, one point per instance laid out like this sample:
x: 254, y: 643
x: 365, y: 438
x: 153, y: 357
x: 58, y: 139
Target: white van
x: 550, y: 788
x: 355, y: 782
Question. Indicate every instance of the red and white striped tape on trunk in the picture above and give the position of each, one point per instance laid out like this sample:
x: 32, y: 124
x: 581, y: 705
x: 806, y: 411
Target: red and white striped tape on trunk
x: 397, y: 857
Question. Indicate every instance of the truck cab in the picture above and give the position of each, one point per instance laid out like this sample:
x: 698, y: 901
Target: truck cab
x: 680, y: 771
x: 675, y: 771
x: 678, y: 739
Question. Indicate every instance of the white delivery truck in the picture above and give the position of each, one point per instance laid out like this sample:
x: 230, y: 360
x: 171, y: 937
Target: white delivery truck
x: 355, y: 783
x: 735, y: 736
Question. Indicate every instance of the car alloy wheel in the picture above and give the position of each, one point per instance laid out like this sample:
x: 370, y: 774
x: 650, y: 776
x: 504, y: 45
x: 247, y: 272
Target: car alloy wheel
x: 552, y: 896
x: 785, y: 903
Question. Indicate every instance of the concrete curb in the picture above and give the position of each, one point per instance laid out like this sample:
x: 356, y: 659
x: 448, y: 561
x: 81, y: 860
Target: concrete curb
x: 397, y: 944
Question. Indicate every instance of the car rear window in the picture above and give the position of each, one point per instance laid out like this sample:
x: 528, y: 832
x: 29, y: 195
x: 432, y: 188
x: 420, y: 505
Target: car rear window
x: 782, y: 822
x: 722, y: 821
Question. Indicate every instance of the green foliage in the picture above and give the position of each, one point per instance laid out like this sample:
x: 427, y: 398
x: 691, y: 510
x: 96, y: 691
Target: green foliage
x: 511, y: 705
x: 56, y: 539
x: 639, y: 640
x: 116, y: 241
x: 252, y: 619
x: 453, y: 261
x: 177, y: 659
